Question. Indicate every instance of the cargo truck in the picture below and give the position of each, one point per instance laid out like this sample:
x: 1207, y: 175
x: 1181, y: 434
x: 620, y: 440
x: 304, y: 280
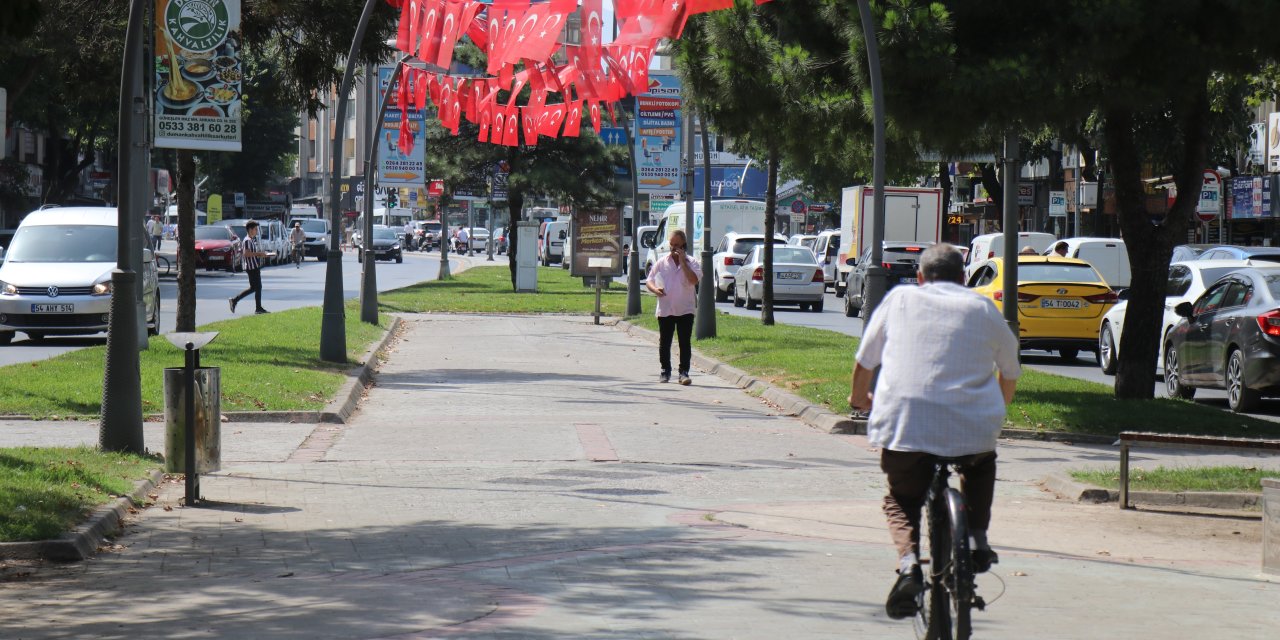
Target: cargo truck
x: 912, y: 214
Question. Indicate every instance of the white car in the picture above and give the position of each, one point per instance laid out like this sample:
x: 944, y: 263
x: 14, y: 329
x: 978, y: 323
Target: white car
x: 56, y: 275
x: 1187, y: 280
x: 729, y: 256
x: 479, y: 239
x: 797, y: 279
x: 827, y: 247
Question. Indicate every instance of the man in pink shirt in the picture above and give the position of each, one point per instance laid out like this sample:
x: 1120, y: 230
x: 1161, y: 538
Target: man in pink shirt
x: 674, y: 280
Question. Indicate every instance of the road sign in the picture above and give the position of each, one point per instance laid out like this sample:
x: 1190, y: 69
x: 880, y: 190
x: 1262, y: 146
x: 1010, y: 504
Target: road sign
x: 613, y: 136
x: 798, y: 206
x: 239, y: 201
x: 1058, y: 204
x: 1210, y: 204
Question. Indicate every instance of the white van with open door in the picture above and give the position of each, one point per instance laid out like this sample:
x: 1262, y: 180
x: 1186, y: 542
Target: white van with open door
x: 991, y: 245
x: 1108, y: 255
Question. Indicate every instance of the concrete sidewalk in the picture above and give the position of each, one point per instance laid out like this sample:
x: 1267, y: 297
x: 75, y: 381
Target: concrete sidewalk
x: 518, y: 477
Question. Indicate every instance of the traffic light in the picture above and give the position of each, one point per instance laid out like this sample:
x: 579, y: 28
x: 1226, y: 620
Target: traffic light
x: 393, y: 198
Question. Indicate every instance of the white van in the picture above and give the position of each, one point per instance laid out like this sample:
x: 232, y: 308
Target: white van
x: 827, y: 247
x: 552, y: 237
x: 1108, y: 255
x: 991, y: 245
x: 741, y: 216
x: 56, y: 275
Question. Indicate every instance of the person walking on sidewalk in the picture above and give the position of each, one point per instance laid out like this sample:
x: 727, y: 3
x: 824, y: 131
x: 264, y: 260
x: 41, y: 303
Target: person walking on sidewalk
x: 253, y: 257
x: 948, y: 365
x: 156, y: 229
x: 674, y: 279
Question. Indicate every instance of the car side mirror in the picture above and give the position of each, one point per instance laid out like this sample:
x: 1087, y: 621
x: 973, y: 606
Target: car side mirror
x: 1183, y: 309
x: 852, y: 262
x: 563, y: 235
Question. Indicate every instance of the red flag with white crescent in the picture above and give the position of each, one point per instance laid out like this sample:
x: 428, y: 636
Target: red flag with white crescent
x: 595, y: 116
x: 450, y: 31
x: 511, y: 137
x: 573, y: 119
x: 408, y: 11
x: 529, y: 119
x: 429, y: 29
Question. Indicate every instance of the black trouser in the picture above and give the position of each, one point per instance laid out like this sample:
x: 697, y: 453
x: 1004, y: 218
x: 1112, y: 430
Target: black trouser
x: 155, y: 242
x: 910, y: 473
x: 255, y: 287
x: 682, y: 326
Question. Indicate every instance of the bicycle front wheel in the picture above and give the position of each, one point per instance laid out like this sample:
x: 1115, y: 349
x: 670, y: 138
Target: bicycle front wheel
x: 960, y: 581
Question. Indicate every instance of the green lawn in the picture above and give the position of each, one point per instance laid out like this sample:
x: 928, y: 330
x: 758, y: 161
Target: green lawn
x: 487, y: 289
x: 815, y: 364
x: 45, y: 491
x: 269, y: 362
x: 1235, y: 479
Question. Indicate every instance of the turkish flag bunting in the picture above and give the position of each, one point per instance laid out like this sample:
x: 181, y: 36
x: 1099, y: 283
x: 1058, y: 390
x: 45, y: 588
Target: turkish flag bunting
x: 595, y: 116
x: 573, y: 119
x: 553, y: 117
x: 536, y: 35
x: 408, y: 12
x: 511, y: 137
x: 478, y: 29
x: 430, y: 17
x: 450, y: 30
x: 529, y: 115
x: 592, y: 36
x: 498, y: 132
x: 421, y: 90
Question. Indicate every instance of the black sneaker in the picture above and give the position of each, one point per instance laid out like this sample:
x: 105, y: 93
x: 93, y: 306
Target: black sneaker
x: 665, y: 376
x: 902, y: 599
x: 684, y: 379
x: 232, y: 302
x: 983, y: 559
x: 261, y: 311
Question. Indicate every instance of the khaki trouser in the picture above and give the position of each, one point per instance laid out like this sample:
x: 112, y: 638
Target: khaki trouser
x: 909, y: 474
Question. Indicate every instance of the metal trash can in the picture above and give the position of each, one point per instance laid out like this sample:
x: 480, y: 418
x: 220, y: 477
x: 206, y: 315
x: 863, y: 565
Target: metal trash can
x: 208, y: 426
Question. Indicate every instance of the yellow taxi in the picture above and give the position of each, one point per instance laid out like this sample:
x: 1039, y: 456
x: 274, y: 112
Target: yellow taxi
x: 1061, y: 301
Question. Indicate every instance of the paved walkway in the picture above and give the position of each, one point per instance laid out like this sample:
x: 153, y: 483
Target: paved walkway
x: 516, y: 477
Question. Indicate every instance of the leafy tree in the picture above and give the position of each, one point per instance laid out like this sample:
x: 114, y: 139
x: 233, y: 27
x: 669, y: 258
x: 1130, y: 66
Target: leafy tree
x: 960, y: 73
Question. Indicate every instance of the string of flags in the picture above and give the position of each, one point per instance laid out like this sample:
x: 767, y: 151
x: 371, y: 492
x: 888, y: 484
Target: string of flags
x: 521, y: 40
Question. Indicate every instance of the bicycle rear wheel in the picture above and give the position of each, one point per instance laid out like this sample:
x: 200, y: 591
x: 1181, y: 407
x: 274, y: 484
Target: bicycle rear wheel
x: 933, y: 622
x: 960, y: 580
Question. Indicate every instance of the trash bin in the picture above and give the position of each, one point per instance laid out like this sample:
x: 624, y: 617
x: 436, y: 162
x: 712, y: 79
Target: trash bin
x: 208, y: 423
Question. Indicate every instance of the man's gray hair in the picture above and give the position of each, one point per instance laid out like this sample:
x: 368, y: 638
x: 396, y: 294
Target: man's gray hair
x: 942, y: 263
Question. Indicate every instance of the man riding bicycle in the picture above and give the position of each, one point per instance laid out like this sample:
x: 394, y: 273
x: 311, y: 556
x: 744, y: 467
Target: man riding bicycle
x: 296, y: 237
x: 948, y: 366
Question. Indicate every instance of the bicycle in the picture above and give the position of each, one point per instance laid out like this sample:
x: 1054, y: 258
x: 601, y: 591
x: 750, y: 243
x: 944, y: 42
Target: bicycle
x: 297, y: 255
x: 949, y: 595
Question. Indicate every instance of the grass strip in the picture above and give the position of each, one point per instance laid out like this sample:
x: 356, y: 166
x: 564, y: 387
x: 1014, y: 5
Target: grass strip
x: 269, y: 362
x: 488, y: 290
x: 45, y: 491
x: 815, y: 364
x: 1179, y: 479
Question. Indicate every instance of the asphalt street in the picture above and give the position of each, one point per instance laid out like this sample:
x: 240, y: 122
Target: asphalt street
x: 284, y: 287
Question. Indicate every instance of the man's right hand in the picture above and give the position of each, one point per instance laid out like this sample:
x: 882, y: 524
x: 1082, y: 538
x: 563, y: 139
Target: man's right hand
x: 659, y: 291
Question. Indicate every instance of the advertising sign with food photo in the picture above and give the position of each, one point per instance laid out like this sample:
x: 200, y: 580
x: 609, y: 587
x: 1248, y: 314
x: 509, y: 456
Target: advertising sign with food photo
x: 597, y: 233
x: 197, y: 75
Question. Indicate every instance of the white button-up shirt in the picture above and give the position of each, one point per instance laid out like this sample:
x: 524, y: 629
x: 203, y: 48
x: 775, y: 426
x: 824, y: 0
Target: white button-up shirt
x: 681, y: 295
x: 938, y: 347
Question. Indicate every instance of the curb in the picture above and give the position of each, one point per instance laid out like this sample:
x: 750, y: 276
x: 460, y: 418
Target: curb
x: 336, y: 412
x: 820, y: 417
x: 82, y: 541
x: 1065, y: 486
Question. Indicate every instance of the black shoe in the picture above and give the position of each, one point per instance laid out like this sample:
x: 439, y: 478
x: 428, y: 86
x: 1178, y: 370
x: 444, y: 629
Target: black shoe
x: 665, y: 376
x: 684, y: 379
x: 232, y: 301
x: 902, y: 599
x: 983, y: 559
x: 261, y: 311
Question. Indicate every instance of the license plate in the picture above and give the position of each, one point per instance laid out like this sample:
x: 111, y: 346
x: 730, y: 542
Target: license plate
x: 1060, y: 303
x: 53, y: 308
x: 215, y: 258
x: 907, y: 280
x: 788, y: 275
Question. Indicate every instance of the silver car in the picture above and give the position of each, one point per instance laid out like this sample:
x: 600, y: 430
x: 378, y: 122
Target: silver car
x: 797, y: 279
x: 56, y: 276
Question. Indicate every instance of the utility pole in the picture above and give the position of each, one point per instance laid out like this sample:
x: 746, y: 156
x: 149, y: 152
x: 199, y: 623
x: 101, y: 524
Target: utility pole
x: 1009, y: 181
x: 633, y: 272
x: 369, y: 272
x: 875, y: 272
x: 705, y: 320
x: 688, y: 173
x: 121, y: 428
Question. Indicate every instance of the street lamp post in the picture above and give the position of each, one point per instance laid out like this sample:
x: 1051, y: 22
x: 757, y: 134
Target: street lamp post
x: 333, y: 325
x: 121, y: 427
x: 705, y: 326
x: 875, y: 272
x: 1010, y: 177
x: 633, y: 273
x: 369, y: 272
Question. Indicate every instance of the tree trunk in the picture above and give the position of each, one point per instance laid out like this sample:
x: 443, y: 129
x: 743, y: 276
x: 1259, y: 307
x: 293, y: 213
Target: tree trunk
x: 944, y: 182
x: 770, y: 222
x: 1151, y: 246
x: 186, y: 320
x: 515, y: 203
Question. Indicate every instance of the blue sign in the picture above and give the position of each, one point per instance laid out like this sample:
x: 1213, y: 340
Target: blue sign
x: 613, y: 136
x: 727, y: 182
x: 1250, y: 198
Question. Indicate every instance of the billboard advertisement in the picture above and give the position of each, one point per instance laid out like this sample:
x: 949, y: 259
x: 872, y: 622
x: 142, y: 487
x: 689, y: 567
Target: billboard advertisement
x: 597, y: 243
x: 396, y: 168
x: 657, y: 140
x: 197, y: 75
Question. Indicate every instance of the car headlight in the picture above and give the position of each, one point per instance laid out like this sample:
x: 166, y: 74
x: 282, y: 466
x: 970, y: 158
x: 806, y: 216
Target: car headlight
x: 394, y: 247
x: 7, y: 289
x: 102, y: 288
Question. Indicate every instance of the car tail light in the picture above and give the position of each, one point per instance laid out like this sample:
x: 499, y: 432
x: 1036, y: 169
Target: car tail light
x: 1022, y: 297
x: 817, y: 276
x: 1269, y: 323
x: 758, y: 274
x: 730, y: 261
x: 1109, y: 297
x: 991, y: 254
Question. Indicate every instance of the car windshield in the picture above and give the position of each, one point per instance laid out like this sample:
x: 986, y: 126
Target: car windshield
x: 793, y: 255
x: 213, y: 233
x: 63, y: 243
x: 239, y: 230
x: 315, y: 226
x: 745, y: 245
x: 384, y: 234
x: 1210, y: 276
x: 1273, y: 284
x: 1059, y: 272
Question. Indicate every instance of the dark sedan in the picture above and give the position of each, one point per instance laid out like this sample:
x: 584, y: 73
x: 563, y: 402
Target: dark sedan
x: 1229, y: 338
x: 386, y: 245
x: 899, y: 260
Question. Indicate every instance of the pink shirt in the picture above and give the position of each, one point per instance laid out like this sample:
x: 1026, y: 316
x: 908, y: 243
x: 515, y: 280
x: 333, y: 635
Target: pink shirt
x: 682, y: 297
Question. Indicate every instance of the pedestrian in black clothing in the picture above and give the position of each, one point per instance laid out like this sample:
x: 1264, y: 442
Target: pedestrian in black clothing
x: 253, y: 257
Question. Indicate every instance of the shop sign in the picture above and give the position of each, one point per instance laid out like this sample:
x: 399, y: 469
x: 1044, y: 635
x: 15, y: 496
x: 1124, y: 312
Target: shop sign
x: 1210, y: 204
x: 657, y: 140
x: 597, y: 243
x: 198, y: 75
x: 1026, y: 194
x: 1250, y: 198
x: 1273, y: 142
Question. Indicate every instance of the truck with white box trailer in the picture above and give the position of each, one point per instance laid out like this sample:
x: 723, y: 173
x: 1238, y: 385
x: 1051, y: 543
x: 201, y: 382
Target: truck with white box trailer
x: 912, y: 214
